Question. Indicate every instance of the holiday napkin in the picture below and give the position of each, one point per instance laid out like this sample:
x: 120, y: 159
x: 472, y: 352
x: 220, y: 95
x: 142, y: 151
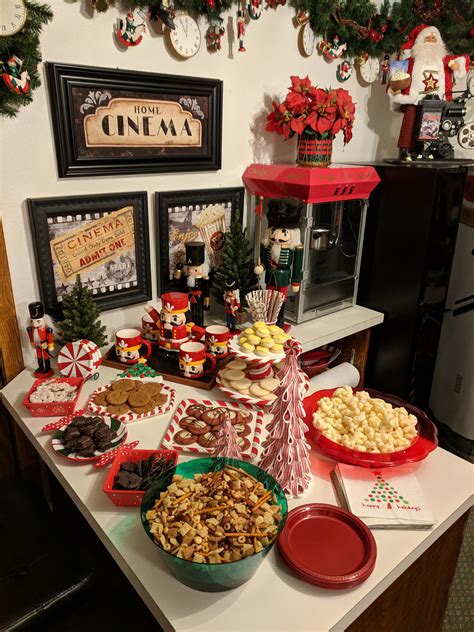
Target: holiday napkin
x: 390, y: 498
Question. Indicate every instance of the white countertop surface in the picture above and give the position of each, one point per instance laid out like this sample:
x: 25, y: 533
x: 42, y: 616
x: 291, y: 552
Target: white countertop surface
x: 273, y: 600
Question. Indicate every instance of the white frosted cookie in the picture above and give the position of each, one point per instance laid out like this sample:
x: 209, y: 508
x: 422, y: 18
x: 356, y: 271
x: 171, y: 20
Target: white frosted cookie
x: 258, y: 391
x: 269, y: 383
x: 236, y: 365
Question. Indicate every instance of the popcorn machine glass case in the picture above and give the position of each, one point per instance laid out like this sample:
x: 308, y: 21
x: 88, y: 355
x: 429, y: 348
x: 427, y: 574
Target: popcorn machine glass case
x: 332, y: 230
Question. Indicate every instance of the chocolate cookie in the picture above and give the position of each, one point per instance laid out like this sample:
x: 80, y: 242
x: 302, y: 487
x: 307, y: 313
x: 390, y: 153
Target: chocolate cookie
x: 123, y: 385
x: 195, y: 410
x: 117, y: 410
x: 185, y: 421
x: 244, y: 416
x: 243, y: 430
x: 213, y: 416
x: 198, y: 427
x: 139, y: 398
x: 243, y: 443
x: 184, y: 437
x: 232, y: 414
x: 116, y: 398
x: 207, y: 440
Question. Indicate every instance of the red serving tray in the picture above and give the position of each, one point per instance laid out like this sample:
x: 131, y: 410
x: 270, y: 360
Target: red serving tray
x: 132, y: 498
x: 328, y: 546
x: 54, y: 409
x: 422, y: 445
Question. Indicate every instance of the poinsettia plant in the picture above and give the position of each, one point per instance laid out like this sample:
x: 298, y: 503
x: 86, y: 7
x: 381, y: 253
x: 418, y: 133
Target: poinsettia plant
x: 306, y: 108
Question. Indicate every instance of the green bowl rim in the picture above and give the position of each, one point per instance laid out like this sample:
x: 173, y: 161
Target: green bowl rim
x: 221, y: 462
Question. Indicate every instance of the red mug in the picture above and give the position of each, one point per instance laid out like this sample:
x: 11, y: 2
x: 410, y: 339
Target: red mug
x: 149, y: 330
x: 128, y: 344
x: 217, y: 340
x: 192, y: 356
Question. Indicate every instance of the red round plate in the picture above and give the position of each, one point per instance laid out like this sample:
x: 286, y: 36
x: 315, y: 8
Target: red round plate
x: 422, y: 445
x: 328, y: 546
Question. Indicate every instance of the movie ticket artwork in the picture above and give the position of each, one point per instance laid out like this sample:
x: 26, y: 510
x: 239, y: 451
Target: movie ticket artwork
x: 106, y: 243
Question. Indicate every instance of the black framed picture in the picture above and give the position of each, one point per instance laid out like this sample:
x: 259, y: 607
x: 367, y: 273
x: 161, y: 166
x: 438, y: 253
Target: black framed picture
x: 104, y: 238
x: 199, y: 215
x: 108, y: 121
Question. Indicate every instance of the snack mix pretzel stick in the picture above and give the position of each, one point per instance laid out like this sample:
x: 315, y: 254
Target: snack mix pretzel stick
x: 215, y: 518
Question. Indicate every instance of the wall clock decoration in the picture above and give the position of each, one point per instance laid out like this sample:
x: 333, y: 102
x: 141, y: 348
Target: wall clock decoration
x: 307, y: 40
x: 370, y: 69
x: 12, y: 17
x: 185, y: 38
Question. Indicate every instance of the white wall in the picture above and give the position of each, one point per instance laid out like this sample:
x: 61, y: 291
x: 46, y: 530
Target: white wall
x: 251, y: 80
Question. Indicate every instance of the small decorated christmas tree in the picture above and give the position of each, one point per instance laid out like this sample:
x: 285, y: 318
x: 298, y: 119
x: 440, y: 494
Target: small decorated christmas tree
x: 285, y: 450
x: 226, y: 445
x: 236, y: 263
x: 81, y: 316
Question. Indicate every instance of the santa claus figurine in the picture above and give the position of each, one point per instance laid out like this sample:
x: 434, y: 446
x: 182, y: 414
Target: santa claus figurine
x: 431, y: 70
x: 41, y: 339
x: 281, y: 253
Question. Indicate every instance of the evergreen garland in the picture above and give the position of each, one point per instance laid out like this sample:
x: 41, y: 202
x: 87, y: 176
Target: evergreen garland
x: 237, y: 263
x: 26, y: 45
x: 81, y: 316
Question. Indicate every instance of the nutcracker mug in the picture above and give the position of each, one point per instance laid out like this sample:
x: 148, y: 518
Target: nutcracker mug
x: 128, y: 345
x: 217, y: 340
x: 192, y: 357
x: 149, y: 330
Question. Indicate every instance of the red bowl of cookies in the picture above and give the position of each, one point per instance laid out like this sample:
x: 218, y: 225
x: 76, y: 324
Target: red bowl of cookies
x: 53, y: 397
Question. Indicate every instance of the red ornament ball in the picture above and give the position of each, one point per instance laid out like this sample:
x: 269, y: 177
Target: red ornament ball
x: 471, y: 32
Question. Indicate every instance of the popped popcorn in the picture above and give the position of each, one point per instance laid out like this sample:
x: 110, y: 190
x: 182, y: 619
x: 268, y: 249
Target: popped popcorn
x: 361, y: 422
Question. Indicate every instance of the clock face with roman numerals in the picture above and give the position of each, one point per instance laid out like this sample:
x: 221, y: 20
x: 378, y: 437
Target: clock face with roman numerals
x: 186, y: 37
x: 12, y: 16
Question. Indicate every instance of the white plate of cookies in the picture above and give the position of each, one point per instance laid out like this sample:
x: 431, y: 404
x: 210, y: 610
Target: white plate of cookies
x: 129, y: 399
x: 251, y: 384
x: 260, y: 343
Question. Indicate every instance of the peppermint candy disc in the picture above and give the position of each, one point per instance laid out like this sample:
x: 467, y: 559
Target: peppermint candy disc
x: 81, y: 358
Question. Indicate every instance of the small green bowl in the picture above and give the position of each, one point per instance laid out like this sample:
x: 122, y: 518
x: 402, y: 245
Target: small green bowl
x: 212, y: 577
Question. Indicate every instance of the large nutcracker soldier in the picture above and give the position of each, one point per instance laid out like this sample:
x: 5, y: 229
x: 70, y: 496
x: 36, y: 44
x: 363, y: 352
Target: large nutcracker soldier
x: 281, y: 253
x: 42, y: 339
x: 173, y: 322
x: 195, y: 280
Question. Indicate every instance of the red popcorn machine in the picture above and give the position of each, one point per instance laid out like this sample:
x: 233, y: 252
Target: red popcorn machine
x: 332, y: 229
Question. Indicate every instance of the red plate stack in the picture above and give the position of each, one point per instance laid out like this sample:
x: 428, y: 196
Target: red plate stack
x: 327, y: 546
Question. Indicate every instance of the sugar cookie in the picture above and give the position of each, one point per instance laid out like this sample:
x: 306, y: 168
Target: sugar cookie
x: 233, y: 375
x: 277, y: 349
x: 270, y: 397
x: 248, y: 348
x: 275, y: 330
x: 257, y: 390
x: 253, y: 340
x: 267, y: 342
x: 259, y: 323
x: 269, y: 383
x: 262, y: 351
x: 280, y: 339
x: 240, y: 384
x: 236, y: 365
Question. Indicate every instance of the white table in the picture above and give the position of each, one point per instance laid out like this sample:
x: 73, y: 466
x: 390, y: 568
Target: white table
x: 273, y: 600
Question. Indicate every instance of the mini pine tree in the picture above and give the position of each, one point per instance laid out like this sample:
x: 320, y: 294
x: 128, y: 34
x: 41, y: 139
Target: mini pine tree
x: 81, y: 316
x: 236, y: 263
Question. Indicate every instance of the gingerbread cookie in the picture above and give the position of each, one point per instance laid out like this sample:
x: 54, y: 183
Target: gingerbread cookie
x: 117, y: 398
x: 123, y: 385
x: 195, y: 410
x: 207, y: 440
x: 184, y: 437
x: 147, y: 408
x: 120, y: 409
x: 139, y: 398
x: 198, y: 427
x: 101, y: 399
x: 153, y: 388
x: 160, y: 399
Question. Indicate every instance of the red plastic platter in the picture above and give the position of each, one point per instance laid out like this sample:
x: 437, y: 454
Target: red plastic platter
x: 328, y: 546
x: 422, y: 445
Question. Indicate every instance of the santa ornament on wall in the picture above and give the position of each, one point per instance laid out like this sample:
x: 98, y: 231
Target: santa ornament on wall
x: 129, y: 33
x: 15, y: 79
x: 430, y: 70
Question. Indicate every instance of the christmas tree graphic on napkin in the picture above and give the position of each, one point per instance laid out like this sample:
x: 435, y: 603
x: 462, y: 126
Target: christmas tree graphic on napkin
x: 383, y: 492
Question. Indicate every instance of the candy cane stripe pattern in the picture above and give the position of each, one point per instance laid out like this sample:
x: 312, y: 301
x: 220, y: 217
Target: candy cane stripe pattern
x: 79, y: 359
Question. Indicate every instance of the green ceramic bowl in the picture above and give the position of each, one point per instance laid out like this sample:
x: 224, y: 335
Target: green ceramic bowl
x: 212, y: 577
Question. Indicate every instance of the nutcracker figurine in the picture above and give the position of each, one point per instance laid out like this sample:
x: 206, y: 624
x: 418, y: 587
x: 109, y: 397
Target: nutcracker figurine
x: 196, y: 277
x: 41, y: 339
x: 281, y: 253
x: 385, y: 68
x: 231, y: 303
x: 173, y: 322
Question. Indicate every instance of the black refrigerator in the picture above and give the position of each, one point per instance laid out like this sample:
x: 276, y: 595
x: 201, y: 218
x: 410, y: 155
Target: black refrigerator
x: 410, y: 239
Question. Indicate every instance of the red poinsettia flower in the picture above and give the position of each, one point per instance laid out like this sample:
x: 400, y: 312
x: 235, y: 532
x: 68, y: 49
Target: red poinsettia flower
x: 300, y: 85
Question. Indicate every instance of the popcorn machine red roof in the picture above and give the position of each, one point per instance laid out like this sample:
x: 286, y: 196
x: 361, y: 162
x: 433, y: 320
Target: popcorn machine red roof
x: 331, y: 228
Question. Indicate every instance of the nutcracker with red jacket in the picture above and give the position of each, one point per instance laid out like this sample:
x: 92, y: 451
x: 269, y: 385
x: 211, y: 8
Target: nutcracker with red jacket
x: 231, y: 303
x: 194, y: 277
x: 431, y: 70
x: 173, y: 322
x: 42, y: 339
x: 281, y: 252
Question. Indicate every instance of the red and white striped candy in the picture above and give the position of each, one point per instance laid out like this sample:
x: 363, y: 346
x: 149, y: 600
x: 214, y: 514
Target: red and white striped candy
x: 79, y: 359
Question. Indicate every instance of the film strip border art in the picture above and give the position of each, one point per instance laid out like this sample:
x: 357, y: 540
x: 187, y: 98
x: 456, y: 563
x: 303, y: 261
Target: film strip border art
x: 102, y: 277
